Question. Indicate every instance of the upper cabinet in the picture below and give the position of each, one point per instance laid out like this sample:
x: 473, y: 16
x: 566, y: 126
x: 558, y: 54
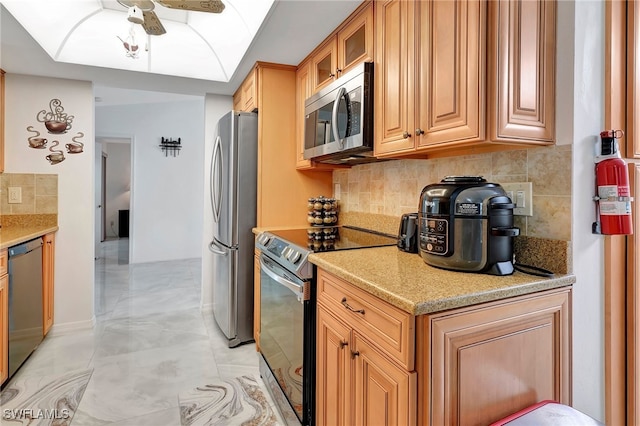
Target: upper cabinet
x: 351, y: 44
x: 245, y: 99
x: 522, y: 51
x: 447, y: 71
x: 1, y: 121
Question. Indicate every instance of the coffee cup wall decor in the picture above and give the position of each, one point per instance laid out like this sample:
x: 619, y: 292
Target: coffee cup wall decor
x: 57, y: 155
x: 75, y: 147
x: 35, y: 141
x: 55, y: 120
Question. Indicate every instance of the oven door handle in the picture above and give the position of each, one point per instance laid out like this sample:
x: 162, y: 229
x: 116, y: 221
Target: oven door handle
x: 297, y: 289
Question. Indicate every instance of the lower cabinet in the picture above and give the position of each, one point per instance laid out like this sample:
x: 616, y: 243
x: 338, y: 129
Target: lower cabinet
x: 48, y: 252
x: 358, y: 382
x: 467, y: 366
x: 4, y: 317
x: 481, y: 363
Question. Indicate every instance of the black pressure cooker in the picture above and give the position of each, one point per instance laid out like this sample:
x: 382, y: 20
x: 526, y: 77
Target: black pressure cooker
x: 466, y: 224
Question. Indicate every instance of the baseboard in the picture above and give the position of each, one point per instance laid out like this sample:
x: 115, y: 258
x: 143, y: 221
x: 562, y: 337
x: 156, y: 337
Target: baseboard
x: 72, y: 327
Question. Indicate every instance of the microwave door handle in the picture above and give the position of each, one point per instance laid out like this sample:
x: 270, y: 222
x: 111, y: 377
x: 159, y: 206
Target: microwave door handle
x: 334, y: 116
x: 298, y: 290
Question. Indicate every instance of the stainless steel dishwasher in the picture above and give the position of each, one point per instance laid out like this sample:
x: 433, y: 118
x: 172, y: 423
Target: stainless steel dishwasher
x: 25, y: 301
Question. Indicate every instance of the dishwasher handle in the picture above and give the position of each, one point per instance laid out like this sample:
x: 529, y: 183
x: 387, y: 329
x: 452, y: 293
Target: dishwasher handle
x: 25, y: 247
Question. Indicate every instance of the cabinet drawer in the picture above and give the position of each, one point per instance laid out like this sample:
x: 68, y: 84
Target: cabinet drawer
x: 4, y: 257
x: 386, y: 326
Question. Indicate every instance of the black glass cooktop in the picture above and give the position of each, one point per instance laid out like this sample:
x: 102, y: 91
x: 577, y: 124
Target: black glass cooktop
x: 335, y: 238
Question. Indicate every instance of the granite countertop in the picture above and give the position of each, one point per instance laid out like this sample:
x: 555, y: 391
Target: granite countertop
x: 17, y: 229
x: 11, y: 236
x: 407, y: 282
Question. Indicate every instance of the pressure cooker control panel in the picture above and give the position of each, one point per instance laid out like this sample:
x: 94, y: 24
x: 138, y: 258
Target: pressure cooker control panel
x: 434, y: 238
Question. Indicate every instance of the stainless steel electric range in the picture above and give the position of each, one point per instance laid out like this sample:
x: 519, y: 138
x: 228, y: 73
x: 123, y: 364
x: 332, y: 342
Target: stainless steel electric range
x: 287, y: 310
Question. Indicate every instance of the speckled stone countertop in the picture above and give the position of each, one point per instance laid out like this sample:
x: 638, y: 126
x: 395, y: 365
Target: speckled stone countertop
x: 407, y: 282
x: 17, y: 229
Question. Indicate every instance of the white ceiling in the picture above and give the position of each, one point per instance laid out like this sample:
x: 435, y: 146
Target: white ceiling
x: 291, y: 30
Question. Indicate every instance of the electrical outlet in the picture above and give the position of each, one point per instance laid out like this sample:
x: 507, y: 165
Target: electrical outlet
x: 521, y: 194
x: 15, y: 195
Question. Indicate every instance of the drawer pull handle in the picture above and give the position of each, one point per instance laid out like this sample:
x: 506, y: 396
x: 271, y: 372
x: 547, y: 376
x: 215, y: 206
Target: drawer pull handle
x: 354, y: 354
x: 343, y: 344
x: 349, y: 307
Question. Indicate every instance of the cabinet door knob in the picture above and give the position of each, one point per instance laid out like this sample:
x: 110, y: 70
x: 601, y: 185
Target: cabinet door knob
x: 338, y: 70
x: 419, y: 132
x: 406, y: 135
x: 351, y: 308
x: 355, y: 354
x: 343, y: 344
x: 332, y: 75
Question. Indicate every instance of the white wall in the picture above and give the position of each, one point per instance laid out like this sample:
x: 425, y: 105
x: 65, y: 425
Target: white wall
x: 587, y: 120
x: 167, y: 192
x: 74, y: 262
x: 118, y: 183
x: 215, y: 107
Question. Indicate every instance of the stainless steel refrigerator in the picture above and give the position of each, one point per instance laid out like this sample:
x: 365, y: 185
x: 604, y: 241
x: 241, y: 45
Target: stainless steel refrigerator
x: 233, y: 200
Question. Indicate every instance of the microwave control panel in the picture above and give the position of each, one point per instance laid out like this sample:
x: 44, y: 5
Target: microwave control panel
x: 434, y: 236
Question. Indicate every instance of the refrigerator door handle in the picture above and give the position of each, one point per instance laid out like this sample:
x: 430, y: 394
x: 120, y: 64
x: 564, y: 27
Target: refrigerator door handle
x: 213, y: 247
x: 216, y: 179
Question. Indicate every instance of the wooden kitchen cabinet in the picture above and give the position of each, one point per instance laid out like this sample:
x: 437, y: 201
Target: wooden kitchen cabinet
x: 359, y: 380
x: 429, y: 88
x: 350, y: 44
x: 481, y: 363
x: 522, y: 67
x: 4, y: 316
x: 275, y: 94
x: 245, y: 98
x: 48, y: 261
x: 434, y: 82
x: 1, y: 121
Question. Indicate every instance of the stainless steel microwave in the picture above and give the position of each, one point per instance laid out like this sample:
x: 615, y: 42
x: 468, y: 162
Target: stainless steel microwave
x: 338, y: 125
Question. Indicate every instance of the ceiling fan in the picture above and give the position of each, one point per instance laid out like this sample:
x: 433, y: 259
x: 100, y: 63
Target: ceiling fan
x: 141, y: 11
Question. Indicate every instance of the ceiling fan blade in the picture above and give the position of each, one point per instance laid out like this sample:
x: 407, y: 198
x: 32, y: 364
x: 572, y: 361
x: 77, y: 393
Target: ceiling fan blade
x: 212, y: 6
x: 144, y: 5
x: 152, y: 24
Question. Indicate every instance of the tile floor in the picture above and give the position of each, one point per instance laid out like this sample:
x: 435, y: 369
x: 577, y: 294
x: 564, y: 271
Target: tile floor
x: 150, y: 348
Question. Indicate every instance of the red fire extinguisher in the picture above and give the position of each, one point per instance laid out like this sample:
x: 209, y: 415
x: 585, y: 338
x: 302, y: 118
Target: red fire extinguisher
x: 612, y: 184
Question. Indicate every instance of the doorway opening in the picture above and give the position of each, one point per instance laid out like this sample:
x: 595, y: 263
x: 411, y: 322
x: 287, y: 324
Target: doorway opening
x: 113, y: 189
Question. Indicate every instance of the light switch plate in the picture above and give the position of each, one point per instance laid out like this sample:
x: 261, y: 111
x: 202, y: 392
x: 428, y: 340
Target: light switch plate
x: 15, y: 194
x: 521, y: 193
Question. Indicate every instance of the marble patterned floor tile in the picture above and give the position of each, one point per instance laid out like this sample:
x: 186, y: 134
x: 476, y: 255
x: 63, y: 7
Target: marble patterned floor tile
x: 124, y: 335
x: 169, y: 417
x: 230, y: 402
x: 138, y: 383
x: 59, y: 354
x: 156, y: 301
x: 43, y: 400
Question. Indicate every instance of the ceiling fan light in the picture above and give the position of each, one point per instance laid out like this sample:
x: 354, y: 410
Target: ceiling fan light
x: 135, y: 15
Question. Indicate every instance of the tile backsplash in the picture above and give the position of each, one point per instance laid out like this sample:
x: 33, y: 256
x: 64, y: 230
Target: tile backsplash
x: 393, y: 187
x: 39, y: 193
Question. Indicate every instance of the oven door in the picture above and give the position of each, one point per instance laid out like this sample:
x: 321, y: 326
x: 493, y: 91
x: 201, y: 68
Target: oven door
x: 284, y: 316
